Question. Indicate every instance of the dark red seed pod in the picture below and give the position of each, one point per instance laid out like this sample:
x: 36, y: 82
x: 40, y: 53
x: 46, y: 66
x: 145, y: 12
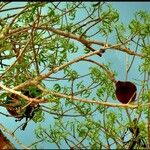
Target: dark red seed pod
x: 125, y: 91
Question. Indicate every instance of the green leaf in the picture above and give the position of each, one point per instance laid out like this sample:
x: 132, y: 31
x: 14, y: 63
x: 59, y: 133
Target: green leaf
x: 57, y: 87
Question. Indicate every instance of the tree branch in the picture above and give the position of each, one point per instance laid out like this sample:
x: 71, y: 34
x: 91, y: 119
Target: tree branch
x: 16, y: 140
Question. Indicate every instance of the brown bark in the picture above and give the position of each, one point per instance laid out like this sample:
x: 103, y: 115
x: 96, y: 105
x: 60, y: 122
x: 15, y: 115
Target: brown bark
x: 5, y: 143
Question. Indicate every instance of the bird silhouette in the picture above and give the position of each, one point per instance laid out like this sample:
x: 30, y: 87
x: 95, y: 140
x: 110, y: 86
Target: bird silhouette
x: 125, y: 91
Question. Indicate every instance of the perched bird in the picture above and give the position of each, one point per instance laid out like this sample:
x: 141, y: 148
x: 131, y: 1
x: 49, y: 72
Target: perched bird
x: 14, y: 105
x: 125, y: 91
x: 136, y: 138
x: 134, y: 129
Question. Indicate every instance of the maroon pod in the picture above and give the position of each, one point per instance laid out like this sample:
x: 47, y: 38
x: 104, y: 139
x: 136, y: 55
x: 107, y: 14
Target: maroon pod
x: 125, y: 91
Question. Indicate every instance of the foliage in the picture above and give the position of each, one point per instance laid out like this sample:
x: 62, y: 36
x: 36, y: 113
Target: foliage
x: 44, y: 50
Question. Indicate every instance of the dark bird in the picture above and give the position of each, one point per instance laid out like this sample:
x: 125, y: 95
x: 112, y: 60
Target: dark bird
x: 125, y: 91
x: 136, y: 138
x: 14, y: 105
x: 134, y: 129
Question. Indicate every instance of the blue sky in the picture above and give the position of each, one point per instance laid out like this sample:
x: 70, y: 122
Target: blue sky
x: 127, y: 10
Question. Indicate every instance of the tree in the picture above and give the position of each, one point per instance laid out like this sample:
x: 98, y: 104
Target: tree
x: 52, y: 64
x: 5, y: 143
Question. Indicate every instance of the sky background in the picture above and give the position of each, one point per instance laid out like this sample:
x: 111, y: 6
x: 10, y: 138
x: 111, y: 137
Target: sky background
x: 126, y: 10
